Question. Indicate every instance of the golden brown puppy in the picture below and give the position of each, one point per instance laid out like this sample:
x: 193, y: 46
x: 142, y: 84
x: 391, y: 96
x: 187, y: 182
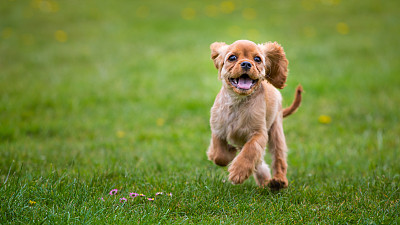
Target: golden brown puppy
x: 247, y: 113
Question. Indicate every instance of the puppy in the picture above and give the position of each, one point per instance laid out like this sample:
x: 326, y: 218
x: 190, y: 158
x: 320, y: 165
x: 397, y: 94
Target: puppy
x: 247, y: 113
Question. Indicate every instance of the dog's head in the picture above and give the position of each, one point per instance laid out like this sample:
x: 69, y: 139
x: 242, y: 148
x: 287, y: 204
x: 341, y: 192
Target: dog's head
x: 243, y: 65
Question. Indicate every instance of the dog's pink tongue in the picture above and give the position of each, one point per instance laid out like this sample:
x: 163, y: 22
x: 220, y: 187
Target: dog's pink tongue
x: 245, y: 83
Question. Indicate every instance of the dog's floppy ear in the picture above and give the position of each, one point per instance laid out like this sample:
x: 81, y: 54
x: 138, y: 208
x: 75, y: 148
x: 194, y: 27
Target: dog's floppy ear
x: 276, y: 64
x: 218, y: 54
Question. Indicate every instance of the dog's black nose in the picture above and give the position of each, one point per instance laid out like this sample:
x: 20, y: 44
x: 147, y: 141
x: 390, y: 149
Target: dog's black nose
x: 245, y: 65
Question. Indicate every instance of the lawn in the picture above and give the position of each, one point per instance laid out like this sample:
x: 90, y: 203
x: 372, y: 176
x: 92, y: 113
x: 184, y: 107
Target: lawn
x: 116, y: 95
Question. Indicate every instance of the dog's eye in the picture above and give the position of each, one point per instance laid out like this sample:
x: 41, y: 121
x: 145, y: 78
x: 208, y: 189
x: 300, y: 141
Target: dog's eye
x: 257, y: 59
x: 232, y: 58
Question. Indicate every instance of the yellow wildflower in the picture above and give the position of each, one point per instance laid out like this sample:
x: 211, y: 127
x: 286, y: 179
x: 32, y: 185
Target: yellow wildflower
x: 324, y: 119
x: 61, y: 36
x: 227, y: 7
x: 188, y: 13
x: 120, y: 134
x: 160, y: 122
x: 342, y: 28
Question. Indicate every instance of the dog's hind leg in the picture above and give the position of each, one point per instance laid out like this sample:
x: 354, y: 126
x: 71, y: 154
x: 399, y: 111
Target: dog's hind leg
x: 277, y: 147
x: 220, y: 152
x: 262, y: 175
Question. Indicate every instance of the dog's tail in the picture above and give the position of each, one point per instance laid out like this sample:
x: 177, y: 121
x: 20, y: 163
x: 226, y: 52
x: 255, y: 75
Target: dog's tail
x: 295, y: 104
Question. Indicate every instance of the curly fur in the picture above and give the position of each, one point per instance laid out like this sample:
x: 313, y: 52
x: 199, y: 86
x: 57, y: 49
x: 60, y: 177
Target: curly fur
x: 250, y: 119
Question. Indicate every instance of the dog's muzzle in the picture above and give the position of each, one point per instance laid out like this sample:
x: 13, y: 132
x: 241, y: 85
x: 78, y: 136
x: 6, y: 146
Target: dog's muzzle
x: 243, y: 82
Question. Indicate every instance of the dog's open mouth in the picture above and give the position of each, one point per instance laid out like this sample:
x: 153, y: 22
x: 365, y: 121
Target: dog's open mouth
x: 243, y: 82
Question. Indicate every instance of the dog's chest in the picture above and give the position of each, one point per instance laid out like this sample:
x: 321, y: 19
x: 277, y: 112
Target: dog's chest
x: 236, y: 122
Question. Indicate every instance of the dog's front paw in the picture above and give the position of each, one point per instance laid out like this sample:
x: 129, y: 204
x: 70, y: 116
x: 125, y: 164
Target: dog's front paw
x: 278, y: 183
x: 239, y: 171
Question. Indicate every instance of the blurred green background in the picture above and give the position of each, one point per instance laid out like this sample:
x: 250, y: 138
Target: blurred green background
x: 116, y: 94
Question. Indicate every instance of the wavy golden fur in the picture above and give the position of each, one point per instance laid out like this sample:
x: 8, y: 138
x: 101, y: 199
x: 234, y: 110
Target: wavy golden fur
x: 247, y: 113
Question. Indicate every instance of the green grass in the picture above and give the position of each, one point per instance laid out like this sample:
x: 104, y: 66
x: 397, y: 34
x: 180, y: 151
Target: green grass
x: 124, y: 103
